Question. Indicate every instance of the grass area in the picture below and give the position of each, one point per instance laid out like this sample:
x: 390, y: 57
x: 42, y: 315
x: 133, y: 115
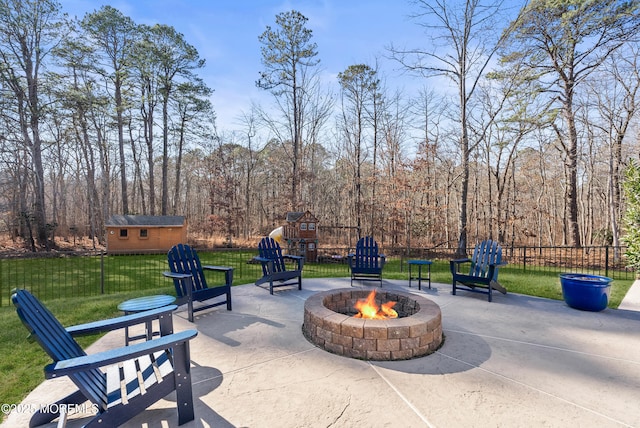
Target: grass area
x: 21, y: 366
x: 73, y: 277
x: 23, y: 360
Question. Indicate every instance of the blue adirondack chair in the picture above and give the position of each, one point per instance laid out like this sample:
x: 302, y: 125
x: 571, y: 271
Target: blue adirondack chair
x: 153, y: 368
x: 367, y: 263
x: 274, y: 266
x: 189, y: 280
x: 483, y: 272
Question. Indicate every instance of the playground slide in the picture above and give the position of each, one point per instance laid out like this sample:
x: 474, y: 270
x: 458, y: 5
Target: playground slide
x: 276, y: 234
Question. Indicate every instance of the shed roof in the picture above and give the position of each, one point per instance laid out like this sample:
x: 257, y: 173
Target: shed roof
x: 146, y: 220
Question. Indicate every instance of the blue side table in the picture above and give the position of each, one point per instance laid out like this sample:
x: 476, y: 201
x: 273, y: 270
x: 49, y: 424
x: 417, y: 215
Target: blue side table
x: 142, y: 304
x: 420, y: 263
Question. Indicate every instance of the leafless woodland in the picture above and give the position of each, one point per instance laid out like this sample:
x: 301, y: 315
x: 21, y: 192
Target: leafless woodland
x: 96, y: 120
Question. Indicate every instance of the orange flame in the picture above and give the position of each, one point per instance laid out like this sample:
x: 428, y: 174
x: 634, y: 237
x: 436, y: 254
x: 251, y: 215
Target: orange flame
x: 368, y: 308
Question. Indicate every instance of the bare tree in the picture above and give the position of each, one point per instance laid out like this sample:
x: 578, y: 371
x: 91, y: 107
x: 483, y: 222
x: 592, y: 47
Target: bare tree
x: 462, y: 42
x: 507, y: 111
x: 359, y: 83
x: 80, y: 100
x: 392, y: 201
x: 288, y: 56
x: 114, y: 34
x: 175, y: 59
x: 616, y: 90
x: 565, y: 42
x: 249, y: 123
x: 194, y: 112
x: 28, y: 33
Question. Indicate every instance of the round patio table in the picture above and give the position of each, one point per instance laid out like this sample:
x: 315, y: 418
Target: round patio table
x: 142, y: 304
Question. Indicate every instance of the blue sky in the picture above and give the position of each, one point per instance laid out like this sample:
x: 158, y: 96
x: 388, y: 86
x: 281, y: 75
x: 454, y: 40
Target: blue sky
x: 225, y: 32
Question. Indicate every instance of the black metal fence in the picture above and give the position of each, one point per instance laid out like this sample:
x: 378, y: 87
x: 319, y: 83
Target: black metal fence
x: 598, y: 260
x: 92, y: 274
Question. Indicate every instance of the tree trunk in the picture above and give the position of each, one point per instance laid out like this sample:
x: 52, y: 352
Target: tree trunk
x: 123, y: 168
x: 572, y: 166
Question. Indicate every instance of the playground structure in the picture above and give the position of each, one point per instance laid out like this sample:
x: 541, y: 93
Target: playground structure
x: 299, y: 235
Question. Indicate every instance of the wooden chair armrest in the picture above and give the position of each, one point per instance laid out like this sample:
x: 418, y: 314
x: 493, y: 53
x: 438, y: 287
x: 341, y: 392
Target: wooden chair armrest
x: 228, y: 272
x: 188, y: 287
x: 493, y: 267
x: 217, y: 268
x: 350, y: 258
x: 105, y: 358
x: 454, y: 265
x: 298, y: 259
x: 120, y: 322
x: 175, y: 275
x: 265, y: 261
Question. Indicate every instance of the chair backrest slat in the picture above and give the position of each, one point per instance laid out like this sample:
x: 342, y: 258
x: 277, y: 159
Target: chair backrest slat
x: 184, y: 259
x: 268, y: 248
x: 485, y: 253
x: 58, y: 343
x: 367, y: 255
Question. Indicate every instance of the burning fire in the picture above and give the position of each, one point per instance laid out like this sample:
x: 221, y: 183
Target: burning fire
x: 367, y: 308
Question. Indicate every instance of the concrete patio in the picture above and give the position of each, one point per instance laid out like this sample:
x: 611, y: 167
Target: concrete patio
x: 519, y: 361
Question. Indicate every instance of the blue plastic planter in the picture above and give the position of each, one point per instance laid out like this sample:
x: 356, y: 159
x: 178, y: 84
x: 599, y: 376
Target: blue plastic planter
x: 585, y: 292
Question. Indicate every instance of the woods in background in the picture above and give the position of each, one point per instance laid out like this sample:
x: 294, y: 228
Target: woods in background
x: 522, y: 132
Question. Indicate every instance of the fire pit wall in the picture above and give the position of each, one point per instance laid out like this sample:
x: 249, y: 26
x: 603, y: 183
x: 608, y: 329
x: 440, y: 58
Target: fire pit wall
x: 329, y: 323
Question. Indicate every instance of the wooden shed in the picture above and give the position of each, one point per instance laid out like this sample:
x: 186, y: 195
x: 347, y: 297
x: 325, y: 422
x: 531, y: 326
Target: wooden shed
x: 144, y: 233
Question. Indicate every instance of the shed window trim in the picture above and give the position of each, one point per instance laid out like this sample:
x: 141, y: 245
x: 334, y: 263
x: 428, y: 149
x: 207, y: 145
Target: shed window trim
x: 144, y: 234
x: 124, y: 234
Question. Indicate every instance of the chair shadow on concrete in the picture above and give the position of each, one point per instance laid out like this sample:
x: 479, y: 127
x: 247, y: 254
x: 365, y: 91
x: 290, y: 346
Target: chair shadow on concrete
x: 218, y: 326
x: 205, y: 380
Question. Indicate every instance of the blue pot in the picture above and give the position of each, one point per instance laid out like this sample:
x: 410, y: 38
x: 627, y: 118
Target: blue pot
x: 585, y: 292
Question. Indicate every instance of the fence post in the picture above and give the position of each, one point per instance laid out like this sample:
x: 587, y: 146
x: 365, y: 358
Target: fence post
x: 606, y: 261
x: 101, y: 272
x: 524, y: 258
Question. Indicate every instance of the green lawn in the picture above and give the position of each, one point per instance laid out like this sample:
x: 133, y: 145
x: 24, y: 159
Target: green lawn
x: 21, y: 366
x: 23, y: 360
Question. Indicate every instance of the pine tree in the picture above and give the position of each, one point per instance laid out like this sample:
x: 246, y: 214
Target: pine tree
x: 632, y: 215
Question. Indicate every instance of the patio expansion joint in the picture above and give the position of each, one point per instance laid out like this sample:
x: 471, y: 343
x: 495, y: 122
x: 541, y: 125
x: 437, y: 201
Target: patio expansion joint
x: 539, y: 345
x: 413, y: 408
x: 533, y: 388
x: 240, y: 369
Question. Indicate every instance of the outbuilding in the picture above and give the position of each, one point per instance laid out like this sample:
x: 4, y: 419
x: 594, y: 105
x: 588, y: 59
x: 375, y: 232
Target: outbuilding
x: 144, y: 233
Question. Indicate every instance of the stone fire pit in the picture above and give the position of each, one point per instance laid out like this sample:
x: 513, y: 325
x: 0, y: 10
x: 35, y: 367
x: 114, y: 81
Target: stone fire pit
x: 329, y: 323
